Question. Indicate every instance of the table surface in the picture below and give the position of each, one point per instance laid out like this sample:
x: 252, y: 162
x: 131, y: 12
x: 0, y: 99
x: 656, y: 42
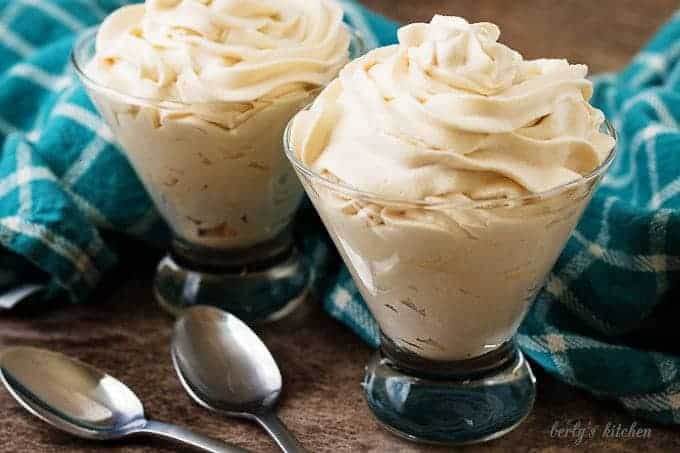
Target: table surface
x: 123, y: 332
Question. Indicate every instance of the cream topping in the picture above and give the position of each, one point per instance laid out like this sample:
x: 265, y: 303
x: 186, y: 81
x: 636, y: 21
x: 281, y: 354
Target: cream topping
x: 220, y: 50
x: 451, y: 113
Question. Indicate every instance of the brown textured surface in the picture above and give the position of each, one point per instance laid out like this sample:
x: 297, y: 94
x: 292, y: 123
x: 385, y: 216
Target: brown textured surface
x: 603, y: 34
x: 126, y: 335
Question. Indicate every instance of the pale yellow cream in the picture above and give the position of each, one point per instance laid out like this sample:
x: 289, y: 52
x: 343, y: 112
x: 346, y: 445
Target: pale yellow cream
x: 221, y: 50
x: 449, y: 115
x: 231, y: 73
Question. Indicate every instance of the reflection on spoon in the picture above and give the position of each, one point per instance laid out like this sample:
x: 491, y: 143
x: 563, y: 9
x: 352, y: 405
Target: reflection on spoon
x: 225, y: 367
x: 83, y: 401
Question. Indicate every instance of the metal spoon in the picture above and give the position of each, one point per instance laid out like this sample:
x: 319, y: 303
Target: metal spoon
x: 83, y: 401
x: 225, y: 367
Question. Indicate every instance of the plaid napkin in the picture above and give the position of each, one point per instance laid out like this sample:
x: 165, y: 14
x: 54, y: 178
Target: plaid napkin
x: 67, y: 194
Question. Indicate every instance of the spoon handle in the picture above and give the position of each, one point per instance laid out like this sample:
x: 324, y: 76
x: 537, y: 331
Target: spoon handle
x: 278, y: 431
x: 188, y: 438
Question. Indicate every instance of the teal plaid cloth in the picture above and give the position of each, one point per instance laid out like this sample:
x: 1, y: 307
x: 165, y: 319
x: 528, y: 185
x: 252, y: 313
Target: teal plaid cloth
x: 66, y: 193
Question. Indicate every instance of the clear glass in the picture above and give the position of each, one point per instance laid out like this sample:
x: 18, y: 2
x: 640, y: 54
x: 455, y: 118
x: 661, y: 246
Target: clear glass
x: 228, y: 194
x: 449, y: 284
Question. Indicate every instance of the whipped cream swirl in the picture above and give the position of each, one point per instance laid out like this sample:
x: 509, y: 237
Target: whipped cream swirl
x: 449, y: 113
x: 220, y: 50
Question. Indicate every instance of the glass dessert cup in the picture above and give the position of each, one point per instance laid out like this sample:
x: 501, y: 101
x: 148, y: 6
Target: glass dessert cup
x: 449, y: 284
x: 228, y: 193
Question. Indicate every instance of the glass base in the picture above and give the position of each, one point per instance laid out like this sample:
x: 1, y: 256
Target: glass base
x: 255, y: 291
x: 473, y: 401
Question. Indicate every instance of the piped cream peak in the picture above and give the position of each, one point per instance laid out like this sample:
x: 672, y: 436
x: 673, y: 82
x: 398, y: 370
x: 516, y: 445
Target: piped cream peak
x: 451, y: 113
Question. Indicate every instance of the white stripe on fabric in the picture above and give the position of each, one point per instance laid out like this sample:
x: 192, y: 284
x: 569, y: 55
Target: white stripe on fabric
x: 57, y: 13
x: 93, y: 248
x: 23, y: 160
x: 341, y: 298
x: 577, y: 265
x: 604, y: 235
x: 666, y: 194
x: 558, y: 285
x: 39, y: 77
x: 84, y: 118
x: 87, y: 157
x: 94, y: 214
x: 638, y: 263
x: 564, y: 367
x: 10, y: 39
x: 653, y: 101
x: 558, y: 289
x: 530, y: 343
x: 557, y: 343
x: 574, y: 267
x: 24, y: 176
x: 642, y: 77
x: 6, y: 127
x: 71, y: 87
x: 673, y: 79
x: 654, y: 63
x: 541, y: 308
x: 580, y: 261
x: 673, y: 396
x: 652, y: 171
x: 579, y: 342
x: 58, y: 244
x: 34, y: 135
x: 650, y: 132
x: 15, y: 42
x: 667, y: 369
x: 654, y: 402
x: 10, y: 13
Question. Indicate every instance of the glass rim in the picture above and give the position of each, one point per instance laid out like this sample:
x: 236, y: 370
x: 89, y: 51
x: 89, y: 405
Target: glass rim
x: 485, y: 203
x: 89, y: 34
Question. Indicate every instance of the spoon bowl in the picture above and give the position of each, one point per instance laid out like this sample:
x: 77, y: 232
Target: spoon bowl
x: 223, y: 364
x: 86, y: 402
x: 225, y: 367
x: 102, y: 408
